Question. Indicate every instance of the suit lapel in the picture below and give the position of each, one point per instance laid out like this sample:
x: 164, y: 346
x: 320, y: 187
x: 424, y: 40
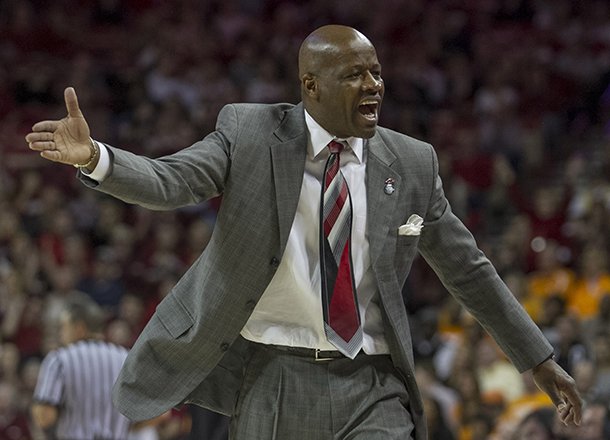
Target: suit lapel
x: 288, y: 162
x: 380, y: 205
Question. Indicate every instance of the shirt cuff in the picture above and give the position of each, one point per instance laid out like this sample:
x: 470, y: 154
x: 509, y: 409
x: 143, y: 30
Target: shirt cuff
x: 100, y: 172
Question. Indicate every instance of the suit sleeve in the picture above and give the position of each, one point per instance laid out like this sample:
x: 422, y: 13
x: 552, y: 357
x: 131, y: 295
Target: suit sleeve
x: 186, y: 177
x: 451, y: 250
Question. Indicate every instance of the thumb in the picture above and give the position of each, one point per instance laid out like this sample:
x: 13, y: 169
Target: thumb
x: 72, y: 103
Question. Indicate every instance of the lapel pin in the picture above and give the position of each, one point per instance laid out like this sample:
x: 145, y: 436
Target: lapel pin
x: 389, y: 186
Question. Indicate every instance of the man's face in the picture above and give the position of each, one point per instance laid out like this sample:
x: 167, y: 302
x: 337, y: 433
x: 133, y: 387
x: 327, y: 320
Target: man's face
x: 350, y: 91
x: 69, y: 331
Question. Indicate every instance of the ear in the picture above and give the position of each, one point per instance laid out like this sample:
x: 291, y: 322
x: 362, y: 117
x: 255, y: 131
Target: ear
x: 310, y: 85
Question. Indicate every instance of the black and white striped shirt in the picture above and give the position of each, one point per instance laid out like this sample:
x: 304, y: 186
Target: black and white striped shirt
x: 78, y: 380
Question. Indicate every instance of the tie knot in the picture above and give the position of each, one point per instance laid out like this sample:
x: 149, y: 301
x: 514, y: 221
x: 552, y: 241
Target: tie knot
x: 335, y: 147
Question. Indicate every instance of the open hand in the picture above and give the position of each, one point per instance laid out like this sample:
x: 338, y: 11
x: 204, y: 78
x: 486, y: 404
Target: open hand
x: 560, y: 387
x: 67, y: 140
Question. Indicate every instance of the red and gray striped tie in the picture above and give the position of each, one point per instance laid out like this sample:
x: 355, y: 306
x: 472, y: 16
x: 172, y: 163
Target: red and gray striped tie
x: 339, y: 301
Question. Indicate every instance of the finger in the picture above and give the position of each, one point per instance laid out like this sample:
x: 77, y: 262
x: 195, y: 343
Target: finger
x: 577, y: 418
x: 575, y: 402
x: 572, y: 412
x: 72, y: 103
x: 568, y: 417
x: 39, y: 137
x: 51, y: 155
x: 42, y: 146
x: 563, y: 410
x: 50, y: 126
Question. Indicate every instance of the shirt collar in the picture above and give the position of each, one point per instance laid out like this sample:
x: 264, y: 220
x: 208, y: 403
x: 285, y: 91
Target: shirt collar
x: 319, y: 139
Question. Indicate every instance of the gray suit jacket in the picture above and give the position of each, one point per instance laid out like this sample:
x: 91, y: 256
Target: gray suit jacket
x: 255, y: 159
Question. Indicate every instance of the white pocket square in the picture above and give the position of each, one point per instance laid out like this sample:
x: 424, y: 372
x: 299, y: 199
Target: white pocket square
x: 413, y: 226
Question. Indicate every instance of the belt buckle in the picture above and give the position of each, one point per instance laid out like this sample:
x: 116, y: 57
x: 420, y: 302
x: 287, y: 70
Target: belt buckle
x: 317, y: 357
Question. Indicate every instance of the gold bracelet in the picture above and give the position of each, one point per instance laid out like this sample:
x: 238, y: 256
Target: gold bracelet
x: 94, y: 155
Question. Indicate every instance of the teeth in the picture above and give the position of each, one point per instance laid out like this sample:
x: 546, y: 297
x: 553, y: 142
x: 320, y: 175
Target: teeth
x: 369, y: 103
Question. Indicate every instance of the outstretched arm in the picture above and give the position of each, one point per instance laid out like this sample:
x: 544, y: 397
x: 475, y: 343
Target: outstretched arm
x: 67, y: 140
x: 560, y: 387
x: 186, y: 177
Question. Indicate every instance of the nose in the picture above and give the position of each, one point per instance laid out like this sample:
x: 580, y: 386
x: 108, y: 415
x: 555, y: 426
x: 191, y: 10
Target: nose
x: 372, y: 82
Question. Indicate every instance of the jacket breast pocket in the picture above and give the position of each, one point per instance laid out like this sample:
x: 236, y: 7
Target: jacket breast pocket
x: 174, y: 316
x: 405, y: 241
x: 406, y: 247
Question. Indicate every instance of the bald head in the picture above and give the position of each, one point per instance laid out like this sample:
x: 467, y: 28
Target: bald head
x: 326, y: 43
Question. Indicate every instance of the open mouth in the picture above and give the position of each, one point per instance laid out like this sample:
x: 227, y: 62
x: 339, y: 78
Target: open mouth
x: 369, y: 109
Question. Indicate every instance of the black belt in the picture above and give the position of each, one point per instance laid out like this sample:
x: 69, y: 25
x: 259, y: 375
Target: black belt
x: 311, y: 353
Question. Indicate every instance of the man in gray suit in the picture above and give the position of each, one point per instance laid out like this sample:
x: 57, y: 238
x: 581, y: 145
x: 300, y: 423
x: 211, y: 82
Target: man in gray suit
x: 294, y: 329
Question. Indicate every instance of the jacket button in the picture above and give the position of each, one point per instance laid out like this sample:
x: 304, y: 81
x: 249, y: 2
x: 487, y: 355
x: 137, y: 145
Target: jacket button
x: 250, y: 304
x: 274, y: 262
x: 224, y: 346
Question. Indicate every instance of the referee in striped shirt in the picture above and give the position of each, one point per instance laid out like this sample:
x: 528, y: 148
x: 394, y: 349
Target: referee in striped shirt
x: 72, y: 399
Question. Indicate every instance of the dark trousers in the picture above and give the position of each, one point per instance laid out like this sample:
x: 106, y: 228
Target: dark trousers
x: 208, y: 425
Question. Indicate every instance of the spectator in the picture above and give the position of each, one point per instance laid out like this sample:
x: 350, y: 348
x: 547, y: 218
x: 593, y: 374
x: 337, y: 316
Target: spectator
x: 551, y: 277
x: 531, y: 401
x: 585, y: 376
x: 600, y: 345
x: 10, y: 358
x: 596, y: 421
x: 569, y: 346
x: 105, y: 285
x: 444, y: 399
x: 592, y: 283
x: 13, y: 420
x: 437, y: 425
x: 538, y: 425
x: 495, y: 373
x: 600, y: 322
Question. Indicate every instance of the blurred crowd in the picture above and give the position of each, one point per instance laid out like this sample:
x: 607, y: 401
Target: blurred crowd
x: 513, y: 94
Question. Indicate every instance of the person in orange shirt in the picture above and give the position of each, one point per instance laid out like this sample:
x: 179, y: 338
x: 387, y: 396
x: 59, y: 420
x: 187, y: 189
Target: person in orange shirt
x: 516, y: 411
x: 592, y: 285
x: 551, y: 277
x: 537, y: 425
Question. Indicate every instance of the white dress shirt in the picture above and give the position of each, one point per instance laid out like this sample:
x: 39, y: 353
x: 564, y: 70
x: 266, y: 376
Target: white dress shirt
x: 290, y: 309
